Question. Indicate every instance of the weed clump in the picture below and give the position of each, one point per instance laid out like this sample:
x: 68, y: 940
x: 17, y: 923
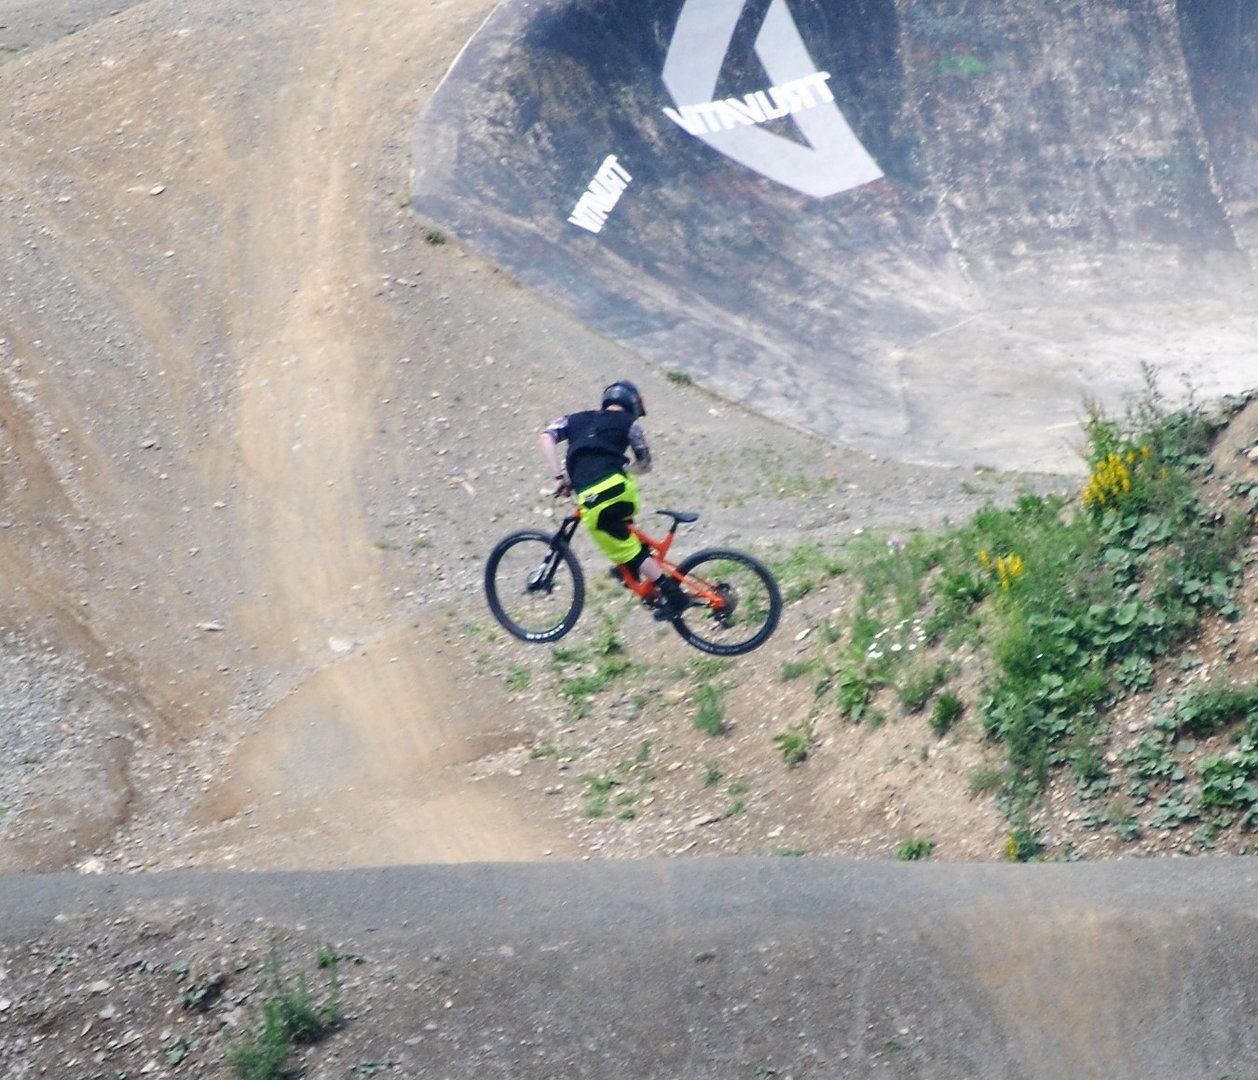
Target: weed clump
x: 290, y: 1016
x: 793, y: 744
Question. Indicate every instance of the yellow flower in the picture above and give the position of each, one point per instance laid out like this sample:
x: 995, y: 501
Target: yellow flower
x: 1110, y: 478
x: 1008, y: 567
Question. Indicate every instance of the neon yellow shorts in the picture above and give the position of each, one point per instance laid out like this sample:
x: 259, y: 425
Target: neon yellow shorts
x: 606, y: 508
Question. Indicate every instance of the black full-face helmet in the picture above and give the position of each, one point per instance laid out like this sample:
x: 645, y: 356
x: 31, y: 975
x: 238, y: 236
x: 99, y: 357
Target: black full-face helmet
x: 622, y: 392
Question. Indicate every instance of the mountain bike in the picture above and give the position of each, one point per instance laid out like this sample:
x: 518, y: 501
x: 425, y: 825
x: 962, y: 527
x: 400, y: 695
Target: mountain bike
x: 536, y: 588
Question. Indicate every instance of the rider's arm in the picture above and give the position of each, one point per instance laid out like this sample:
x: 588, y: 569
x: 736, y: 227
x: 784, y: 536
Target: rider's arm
x: 638, y: 444
x: 548, y: 443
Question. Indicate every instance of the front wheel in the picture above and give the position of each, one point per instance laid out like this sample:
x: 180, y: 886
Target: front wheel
x: 734, y: 602
x: 534, y: 586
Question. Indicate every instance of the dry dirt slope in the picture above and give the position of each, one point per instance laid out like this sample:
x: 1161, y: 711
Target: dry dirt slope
x: 209, y: 424
x: 257, y: 438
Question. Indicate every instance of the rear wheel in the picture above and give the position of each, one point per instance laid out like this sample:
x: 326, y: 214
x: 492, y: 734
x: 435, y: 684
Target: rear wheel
x: 745, y: 607
x: 534, y: 586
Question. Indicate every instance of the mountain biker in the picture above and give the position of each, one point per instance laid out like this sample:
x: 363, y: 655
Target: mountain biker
x: 596, y: 468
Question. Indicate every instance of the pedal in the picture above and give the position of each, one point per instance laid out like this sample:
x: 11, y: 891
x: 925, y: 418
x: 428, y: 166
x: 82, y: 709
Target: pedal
x: 664, y: 611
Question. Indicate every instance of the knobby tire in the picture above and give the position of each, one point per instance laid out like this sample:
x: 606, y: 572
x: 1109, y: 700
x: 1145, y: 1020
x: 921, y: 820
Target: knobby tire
x: 757, y: 603
x: 528, y: 608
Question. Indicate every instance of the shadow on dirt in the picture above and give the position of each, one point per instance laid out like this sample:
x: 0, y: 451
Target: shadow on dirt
x: 769, y: 967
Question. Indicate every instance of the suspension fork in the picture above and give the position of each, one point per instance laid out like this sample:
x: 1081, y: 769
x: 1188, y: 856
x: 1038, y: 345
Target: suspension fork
x: 562, y: 538
x: 567, y: 529
x: 544, y: 575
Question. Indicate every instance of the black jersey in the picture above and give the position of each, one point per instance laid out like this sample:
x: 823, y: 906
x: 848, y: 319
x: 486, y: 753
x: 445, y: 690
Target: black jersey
x: 599, y: 442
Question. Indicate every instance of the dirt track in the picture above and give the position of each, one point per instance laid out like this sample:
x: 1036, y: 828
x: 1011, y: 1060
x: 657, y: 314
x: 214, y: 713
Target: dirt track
x: 696, y: 968
x: 231, y: 341
x: 258, y: 435
x: 261, y: 433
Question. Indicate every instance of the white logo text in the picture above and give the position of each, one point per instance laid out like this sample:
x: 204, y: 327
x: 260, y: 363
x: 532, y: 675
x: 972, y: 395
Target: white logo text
x: 601, y: 196
x: 755, y: 108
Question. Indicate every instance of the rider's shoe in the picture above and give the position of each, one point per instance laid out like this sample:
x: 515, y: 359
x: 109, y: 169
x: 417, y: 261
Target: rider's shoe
x: 675, y: 602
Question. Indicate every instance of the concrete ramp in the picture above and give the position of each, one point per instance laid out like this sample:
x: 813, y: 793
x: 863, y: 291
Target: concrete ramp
x: 927, y: 229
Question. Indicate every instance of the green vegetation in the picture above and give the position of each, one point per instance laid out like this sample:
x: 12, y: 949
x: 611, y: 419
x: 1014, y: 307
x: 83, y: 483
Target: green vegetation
x: 1024, y: 629
x: 804, y: 569
x: 599, y: 788
x: 794, y: 669
x: 621, y: 787
x: 946, y: 712
x: 918, y: 684
x: 598, y: 666
x: 1066, y: 606
x: 794, y: 743
x: 709, y: 695
x: 710, y: 711
x: 1069, y: 604
x: 912, y: 850
x: 964, y: 64
x: 290, y: 1016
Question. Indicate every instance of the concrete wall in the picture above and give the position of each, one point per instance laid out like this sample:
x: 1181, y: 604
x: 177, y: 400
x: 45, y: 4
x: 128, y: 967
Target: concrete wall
x: 1027, y: 156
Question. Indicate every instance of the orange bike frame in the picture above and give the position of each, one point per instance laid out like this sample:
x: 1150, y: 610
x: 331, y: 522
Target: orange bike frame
x: 659, y: 550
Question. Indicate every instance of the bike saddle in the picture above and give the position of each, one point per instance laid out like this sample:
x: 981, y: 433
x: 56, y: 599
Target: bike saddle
x: 683, y: 516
